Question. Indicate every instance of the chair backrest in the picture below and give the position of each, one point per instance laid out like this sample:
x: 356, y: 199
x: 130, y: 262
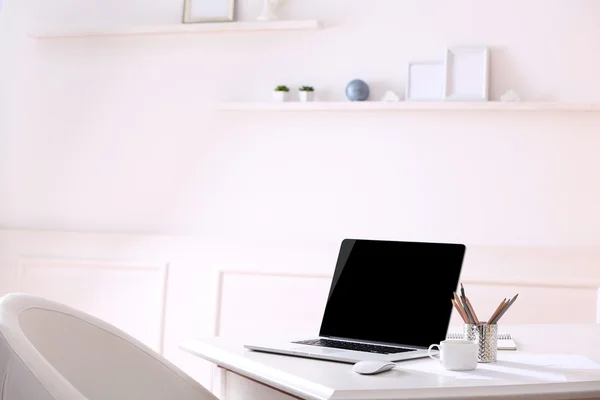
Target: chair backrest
x: 69, y: 355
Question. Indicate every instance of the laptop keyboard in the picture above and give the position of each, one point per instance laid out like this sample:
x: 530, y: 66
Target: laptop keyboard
x: 369, y: 348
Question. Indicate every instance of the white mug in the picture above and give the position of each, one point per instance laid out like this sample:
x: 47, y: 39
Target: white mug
x: 456, y: 355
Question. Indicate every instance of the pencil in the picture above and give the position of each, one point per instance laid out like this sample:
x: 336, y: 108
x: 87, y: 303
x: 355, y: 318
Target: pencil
x: 498, y: 309
x: 465, y: 307
x: 472, y: 310
x: 456, y: 299
x: 460, y: 312
x: 460, y: 307
x: 463, y: 298
x: 499, y: 314
x: 510, y: 303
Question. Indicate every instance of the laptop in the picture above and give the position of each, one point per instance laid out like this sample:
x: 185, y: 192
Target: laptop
x: 388, y: 301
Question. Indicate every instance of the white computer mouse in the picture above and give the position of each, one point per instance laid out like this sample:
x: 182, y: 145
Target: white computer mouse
x: 372, y: 367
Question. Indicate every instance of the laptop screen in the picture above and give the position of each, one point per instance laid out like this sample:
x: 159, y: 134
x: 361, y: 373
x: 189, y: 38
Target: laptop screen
x: 393, y: 292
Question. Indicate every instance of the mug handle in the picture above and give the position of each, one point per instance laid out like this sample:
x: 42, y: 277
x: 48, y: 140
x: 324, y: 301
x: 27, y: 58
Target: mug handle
x: 432, y: 356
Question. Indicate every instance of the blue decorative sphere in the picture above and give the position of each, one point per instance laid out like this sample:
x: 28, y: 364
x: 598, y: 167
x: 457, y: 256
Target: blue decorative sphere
x: 357, y: 90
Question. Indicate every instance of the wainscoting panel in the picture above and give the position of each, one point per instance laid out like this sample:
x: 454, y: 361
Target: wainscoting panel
x: 167, y: 289
x: 535, y: 304
x: 555, y: 284
x: 264, y: 304
x: 131, y: 297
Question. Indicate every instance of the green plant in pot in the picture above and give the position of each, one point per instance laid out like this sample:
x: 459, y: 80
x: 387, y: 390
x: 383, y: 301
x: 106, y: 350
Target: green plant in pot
x: 281, y: 93
x: 307, y: 93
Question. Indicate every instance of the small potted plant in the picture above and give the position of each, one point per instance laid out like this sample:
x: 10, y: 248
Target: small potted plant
x: 281, y: 93
x: 306, y: 93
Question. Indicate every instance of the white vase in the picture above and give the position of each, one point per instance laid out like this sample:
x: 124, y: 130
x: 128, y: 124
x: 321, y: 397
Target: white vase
x: 306, y: 96
x: 280, y: 96
x: 268, y: 11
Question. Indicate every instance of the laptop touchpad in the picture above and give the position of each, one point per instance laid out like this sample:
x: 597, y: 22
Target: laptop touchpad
x: 315, y: 350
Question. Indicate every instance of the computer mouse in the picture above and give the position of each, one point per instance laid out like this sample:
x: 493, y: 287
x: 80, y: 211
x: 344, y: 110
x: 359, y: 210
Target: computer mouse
x: 372, y: 367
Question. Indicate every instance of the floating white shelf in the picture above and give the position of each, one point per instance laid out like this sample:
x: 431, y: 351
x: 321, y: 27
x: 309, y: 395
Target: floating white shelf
x: 410, y: 106
x: 239, y: 26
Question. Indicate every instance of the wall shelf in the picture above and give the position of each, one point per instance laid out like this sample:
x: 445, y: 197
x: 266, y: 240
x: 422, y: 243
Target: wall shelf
x: 410, y: 106
x: 212, y: 27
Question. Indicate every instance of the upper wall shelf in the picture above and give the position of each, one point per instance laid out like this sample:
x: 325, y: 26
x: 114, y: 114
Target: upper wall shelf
x: 410, y: 106
x: 211, y: 27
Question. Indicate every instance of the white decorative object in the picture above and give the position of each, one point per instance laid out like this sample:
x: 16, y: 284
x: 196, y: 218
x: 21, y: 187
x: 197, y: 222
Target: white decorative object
x: 390, y: 97
x: 280, y: 96
x: 208, y: 11
x: 306, y: 96
x: 510, y: 95
x: 425, y: 81
x: 268, y: 10
x: 467, y: 74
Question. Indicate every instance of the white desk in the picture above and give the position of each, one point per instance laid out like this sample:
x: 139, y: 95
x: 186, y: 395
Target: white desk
x: 547, y: 366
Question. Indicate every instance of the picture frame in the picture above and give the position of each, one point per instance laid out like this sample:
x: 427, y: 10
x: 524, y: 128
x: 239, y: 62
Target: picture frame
x: 197, y: 11
x: 467, y: 74
x: 425, y: 81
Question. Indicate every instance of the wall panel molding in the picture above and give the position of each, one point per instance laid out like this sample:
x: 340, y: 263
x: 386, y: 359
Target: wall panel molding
x: 321, y: 280
x: 103, y: 288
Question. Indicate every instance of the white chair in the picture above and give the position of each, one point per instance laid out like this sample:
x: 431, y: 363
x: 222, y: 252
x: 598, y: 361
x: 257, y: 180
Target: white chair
x: 50, y: 351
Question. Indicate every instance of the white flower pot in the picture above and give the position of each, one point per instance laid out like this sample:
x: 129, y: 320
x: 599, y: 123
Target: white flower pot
x: 280, y: 96
x: 306, y: 96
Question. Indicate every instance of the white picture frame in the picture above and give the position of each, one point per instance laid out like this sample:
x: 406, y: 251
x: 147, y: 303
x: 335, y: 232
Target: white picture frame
x: 467, y: 74
x: 425, y: 81
x: 195, y: 11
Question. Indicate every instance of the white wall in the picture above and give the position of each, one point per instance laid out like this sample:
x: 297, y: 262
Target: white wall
x: 14, y: 67
x: 118, y: 134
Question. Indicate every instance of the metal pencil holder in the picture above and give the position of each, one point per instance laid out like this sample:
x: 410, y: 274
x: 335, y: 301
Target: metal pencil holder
x: 486, y: 337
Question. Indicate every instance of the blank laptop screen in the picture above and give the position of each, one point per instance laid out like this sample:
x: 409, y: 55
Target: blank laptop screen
x: 393, y: 292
